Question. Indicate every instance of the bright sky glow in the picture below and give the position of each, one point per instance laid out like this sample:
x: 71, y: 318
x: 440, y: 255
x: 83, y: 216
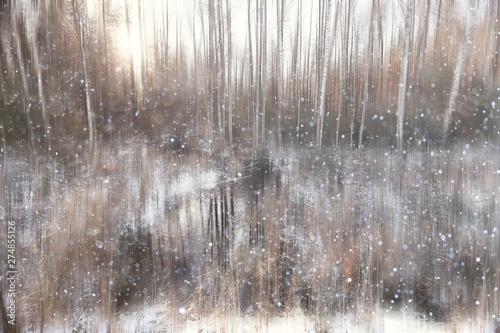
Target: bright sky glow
x: 129, y: 45
x: 186, y: 25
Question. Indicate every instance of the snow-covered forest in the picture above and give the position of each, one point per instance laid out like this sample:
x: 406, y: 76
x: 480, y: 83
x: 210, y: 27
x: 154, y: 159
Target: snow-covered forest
x: 249, y: 165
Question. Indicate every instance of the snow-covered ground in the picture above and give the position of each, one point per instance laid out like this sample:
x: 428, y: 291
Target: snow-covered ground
x: 157, y: 319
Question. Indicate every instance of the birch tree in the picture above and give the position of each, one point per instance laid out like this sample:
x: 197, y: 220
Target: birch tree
x: 38, y: 70
x: 328, y: 48
x: 263, y: 68
x: 462, y: 56
x: 142, y: 47
x: 279, y: 65
x: 345, y: 64
x: 497, y: 51
x: 211, y: 65
x: 251, y: 83
x: 257, y: 66
x: 323, y: 43
x: 221, y: 72
x: 368, y: 68
x: 133, y: 86
x: 403, y: 73
x: 229, y: 104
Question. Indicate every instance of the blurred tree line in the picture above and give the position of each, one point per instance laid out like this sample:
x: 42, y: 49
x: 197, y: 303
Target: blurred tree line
x: 342, y: 72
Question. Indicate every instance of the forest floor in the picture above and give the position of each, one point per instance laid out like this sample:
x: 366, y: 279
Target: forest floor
x: 161, y: 319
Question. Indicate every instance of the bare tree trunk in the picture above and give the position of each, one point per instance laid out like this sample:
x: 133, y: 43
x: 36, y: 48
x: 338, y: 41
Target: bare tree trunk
x: 16, y: 17
x: 340, y: 97
x: 346, y: 70
x: 388, y: 95
x: 279, y: 71
x: 156, y: 41
x: 88, y: 98
x: 293, y: 95
x: 142, y: 46
x: 133, y: 87
x: 403, y: 75
x: 40, y: 84
x: 426, y: 37
x: 211, y: 67
x: 257, y: 77
x: 329, y: 35
x: 381, y: 97
x: 165, y: 28
x: 353, y: 90
x: 369, y: 61
x: 196, y: 92
x: 221, y: 76
x: 497, y: 53
x: 251, y: 99
x: 208, y: 124
x: 263, y: 61
x: 462, y: 56
x: 436, y: 32
x: 107, y: 61
x: 229, y: 104
x: 80, y: 14
x: 305, y: 88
